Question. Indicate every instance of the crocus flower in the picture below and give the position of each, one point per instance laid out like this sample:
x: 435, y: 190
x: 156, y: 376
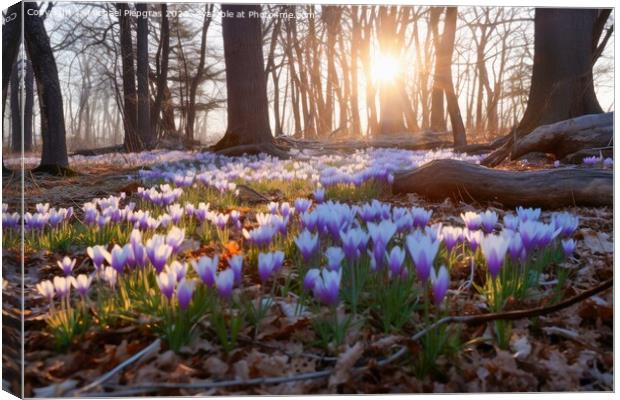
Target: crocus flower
x: 266, y: 266
x: 307, y: 244
x: 529, y: 231
x: 334, y: 255
x: 62, y: 286
x: 66, y: 265
x: 351, y: 241
x: 566, y: 222
x: 310, y: 278
x: 382, y: 232
x: 568, y: 245
x: 224, y: 283
x: 319, y: 195
x: 440, y: 282
x: 395, y: 260
x: 450, y: 236
x: 158, y: 252
x: 166, y: 281
x: 82, y: 283
x: 327, y: 286
x: 119, y: 258
x: 488, y: 220
x: 174, y: 238
x: 185, y: 290
x: 236, y: 264
x: 473, y: 238
x: 515, y: 247
x: 302, y: 205
x: 472, y: 220
x: 528, y: 214
x: 494, y: 248
x: 511, y: 222
x: 608, y: 163
x: 46, y: 289
x: 422, y: 250
x: 206, y: 268
x: 110, y: 276
x: 420, y: 216
x: 179, y: 269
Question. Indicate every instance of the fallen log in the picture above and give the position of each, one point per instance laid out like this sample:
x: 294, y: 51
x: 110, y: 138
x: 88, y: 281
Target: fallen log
x: 562, y: 138
x: 465, y: 181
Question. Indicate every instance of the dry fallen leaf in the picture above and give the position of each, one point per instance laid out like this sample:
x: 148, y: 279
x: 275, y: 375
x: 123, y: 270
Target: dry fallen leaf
x: 346, y: 361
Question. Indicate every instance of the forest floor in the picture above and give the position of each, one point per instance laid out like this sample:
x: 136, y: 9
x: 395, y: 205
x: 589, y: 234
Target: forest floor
x: 568, y: 350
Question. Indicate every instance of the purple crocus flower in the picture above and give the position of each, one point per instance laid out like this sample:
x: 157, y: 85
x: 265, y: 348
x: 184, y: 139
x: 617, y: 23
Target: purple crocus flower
x: 82, y: 284
x: 302, y: 205
x: 307, y: 244
x: 206, y: 269
x: 236, y: 264
x: 185, y: 290
x: 309, y: 280
x: 351, y: 241
x: 515, y: 247
x: 494, y: 248
x: 473, y: 238
x: 529, y: 231
x: 472, y: 220
x: 175, y: 238
x: 450, y: 236
x: 119, y: 258
x: 179, y: 269
x: 309, y: 220
x: 422, y: 249
x: 488, y: 221
x: 166, y: 281
x: 395, y: 260
x: 158, y: 252
x: 327, y: 286
x: 566, y: 222
x: 568, y: 245
x: 224, y: 283
x: 319, y: 195
x: 440, y: 282
x: 511, y: 222
x: 334, y: 255
x: 528, y: 214
x: 66, y: 265
x: 420, y: 216
x: 266, y: 266
x: 62, y: 286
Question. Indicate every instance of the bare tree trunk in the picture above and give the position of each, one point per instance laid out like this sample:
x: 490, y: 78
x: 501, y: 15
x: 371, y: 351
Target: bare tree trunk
x: 191, y: 109
x: 438, y: 120
x: 132, y: 141
x: 248, y: 112
x: 54, y: 155
x: 144, y: 98
x: 162, y: 66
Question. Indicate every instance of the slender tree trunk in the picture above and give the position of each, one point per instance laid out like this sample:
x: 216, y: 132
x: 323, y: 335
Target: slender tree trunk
x: 16, y: 117
x: 28, y: 106
x: 54, y: 154
x: 438, y: 120
x: 132, y: 141
x: 162, y: 64
x: 144, y: 98
x: 248, y: 112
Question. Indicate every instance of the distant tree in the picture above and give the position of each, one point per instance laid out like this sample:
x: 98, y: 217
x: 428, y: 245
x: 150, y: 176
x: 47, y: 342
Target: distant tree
x: 54, y: 153
x: 246, y: 84
x: 11, y: 39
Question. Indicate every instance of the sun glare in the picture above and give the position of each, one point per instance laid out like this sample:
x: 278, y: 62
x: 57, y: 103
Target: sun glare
x: 385, y: 68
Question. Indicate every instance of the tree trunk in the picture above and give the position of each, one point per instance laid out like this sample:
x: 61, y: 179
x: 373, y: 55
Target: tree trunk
x: 562, y: 86
x: 248, y: 112
x: 465, y: 181
x: 191, y: 109
x: 11, y: 39
x: 16, y: 117
x: 144, y: 98
x: 130, y: 98
x: 54, y: 154
x: 438, y: 120
x: 28, y: 106
x: 162, y: 63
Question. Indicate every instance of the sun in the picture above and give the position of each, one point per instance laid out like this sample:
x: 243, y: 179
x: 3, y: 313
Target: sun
x: 385, y: 68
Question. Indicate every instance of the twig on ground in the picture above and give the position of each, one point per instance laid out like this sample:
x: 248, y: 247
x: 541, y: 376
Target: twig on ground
x: 105, y: 377
x: 469, y: 319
